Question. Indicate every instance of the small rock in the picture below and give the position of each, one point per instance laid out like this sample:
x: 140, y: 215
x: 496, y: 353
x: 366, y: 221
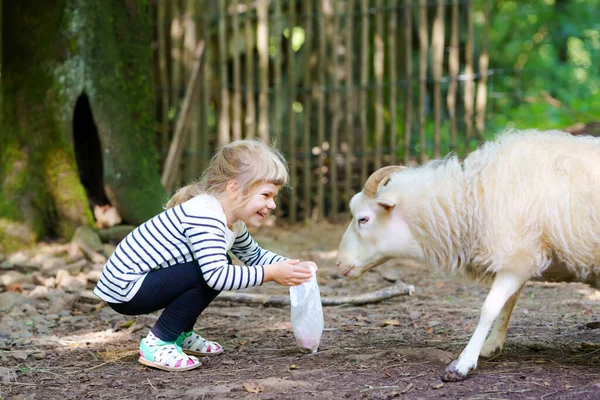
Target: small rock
x: 81, y: 324
x: 52, y: 263
x: 94, y: 276
x: 65, y: 281
x: 41, y: 330
x: 18, y: 258
x: 39, y: 279
x: 16, y: 311
x: 38, y: 319
x: 74, y: 253
x: 61, y: 276
x: 82, y: 278
x: 28, y: 309
x: 108, y: 249
x: 10, y: 277
x: 9, y: 299
x: 64, y: 314
x: 116, y: 233
x: 4, y: 330
x: 19, y: 355
x: 414, y: 315
x: 97, y: 267
x: 52, y: 317
x: 76, y: 267
x: 89, y: 295
x: 47, y: 262
x: 62, y: 303
x: 38, y: 292
x: 97, y: 258
x: 85, y: 236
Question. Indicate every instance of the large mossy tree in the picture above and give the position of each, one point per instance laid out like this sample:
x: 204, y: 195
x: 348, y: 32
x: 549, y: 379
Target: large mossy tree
x: 77, y: 116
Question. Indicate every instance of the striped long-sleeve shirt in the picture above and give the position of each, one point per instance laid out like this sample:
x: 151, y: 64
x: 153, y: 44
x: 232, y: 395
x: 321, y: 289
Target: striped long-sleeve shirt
x: 195, y: 230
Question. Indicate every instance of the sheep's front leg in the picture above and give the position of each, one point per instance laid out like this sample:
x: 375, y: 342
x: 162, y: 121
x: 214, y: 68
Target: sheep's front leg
x: 495, y: 342
x: 505, y: 285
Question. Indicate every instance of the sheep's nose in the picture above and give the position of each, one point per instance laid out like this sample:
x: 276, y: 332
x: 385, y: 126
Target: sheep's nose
x: 337, y: 264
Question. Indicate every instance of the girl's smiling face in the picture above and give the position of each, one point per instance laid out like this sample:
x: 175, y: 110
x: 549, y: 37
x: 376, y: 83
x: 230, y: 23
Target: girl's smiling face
x: 258, y: 205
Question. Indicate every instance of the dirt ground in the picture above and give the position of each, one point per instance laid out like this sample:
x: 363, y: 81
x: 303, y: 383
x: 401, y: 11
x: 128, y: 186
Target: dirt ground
x: 394, y: 349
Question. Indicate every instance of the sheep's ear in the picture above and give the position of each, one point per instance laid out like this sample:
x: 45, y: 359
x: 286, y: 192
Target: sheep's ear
x: 388, y: 205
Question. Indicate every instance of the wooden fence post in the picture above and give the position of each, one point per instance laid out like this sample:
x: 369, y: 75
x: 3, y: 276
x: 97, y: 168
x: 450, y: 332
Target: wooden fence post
x: 171, y: 167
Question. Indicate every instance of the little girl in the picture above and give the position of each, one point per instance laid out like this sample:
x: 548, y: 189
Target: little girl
x: 178, y: 259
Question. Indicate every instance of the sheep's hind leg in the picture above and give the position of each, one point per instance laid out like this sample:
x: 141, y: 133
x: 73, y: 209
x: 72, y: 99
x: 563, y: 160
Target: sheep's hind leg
x: 495, y: 341
x: 505, y: 285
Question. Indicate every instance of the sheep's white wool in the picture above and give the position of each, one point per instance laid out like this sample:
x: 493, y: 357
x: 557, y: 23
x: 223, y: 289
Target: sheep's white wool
x: 528, y: 201
x: 525, y: 206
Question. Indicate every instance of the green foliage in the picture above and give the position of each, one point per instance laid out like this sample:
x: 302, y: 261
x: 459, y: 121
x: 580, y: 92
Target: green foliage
x: 548, y: 53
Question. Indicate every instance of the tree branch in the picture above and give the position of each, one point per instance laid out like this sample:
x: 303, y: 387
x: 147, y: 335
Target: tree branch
x: 365, y: 298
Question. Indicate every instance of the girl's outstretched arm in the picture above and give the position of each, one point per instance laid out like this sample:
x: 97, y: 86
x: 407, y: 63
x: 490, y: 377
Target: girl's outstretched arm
x: 288, y: 272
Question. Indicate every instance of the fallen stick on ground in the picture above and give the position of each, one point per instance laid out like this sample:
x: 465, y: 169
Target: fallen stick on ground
x: 360, y: 299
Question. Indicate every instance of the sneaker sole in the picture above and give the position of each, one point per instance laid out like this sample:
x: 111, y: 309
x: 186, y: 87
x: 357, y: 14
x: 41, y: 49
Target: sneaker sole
x: 197, y: 353
x: 165, y: 368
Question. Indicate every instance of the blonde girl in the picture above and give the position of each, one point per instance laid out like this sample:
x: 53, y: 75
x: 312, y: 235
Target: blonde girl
x: 178, y: 261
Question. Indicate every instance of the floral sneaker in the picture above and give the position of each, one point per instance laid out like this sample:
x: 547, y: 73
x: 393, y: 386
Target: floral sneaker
x: 167, y: 356
x: 192, y: 343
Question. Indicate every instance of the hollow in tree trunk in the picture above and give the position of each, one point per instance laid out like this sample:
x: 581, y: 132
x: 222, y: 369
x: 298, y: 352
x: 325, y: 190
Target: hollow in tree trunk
x: 77, y: 116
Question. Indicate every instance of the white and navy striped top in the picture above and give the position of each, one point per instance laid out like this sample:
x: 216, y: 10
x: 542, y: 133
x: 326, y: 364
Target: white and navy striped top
x: 195, y: 230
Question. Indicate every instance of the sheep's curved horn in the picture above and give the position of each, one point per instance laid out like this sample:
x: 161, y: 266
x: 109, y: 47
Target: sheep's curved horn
x: 379, y: 177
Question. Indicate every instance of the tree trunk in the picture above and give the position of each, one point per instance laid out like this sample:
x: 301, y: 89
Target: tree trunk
x: 77, y: 105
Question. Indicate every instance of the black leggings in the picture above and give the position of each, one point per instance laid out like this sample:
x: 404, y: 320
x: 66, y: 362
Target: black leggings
x: 181, y: 290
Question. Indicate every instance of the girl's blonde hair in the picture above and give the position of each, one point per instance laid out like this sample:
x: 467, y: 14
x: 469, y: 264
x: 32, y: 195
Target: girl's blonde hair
x: 249, y: 162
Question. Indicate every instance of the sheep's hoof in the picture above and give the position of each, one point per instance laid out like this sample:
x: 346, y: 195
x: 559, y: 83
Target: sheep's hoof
x: 452, y: 374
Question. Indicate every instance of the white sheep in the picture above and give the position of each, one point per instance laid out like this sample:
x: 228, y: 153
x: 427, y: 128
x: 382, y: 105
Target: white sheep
x: 523, y: 207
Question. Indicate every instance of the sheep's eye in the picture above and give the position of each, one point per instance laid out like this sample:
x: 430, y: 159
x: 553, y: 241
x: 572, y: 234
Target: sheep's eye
x: 362, y: 220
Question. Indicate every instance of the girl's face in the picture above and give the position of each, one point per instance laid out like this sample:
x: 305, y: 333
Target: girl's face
x: 258, y: 206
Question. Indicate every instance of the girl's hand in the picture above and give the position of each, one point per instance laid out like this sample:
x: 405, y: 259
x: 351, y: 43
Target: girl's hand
x: 309, y: 264
x: 288, y: 272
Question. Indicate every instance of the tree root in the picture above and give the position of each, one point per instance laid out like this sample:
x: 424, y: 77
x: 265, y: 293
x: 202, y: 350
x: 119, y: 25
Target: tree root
x: 276, y: 300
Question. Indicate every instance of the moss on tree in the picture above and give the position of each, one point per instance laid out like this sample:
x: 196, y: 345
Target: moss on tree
x: 53, y: 51
x: 119, y: 85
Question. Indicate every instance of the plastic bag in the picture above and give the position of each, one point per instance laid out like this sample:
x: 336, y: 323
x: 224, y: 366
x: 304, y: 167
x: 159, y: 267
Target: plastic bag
x: 307, y: 314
